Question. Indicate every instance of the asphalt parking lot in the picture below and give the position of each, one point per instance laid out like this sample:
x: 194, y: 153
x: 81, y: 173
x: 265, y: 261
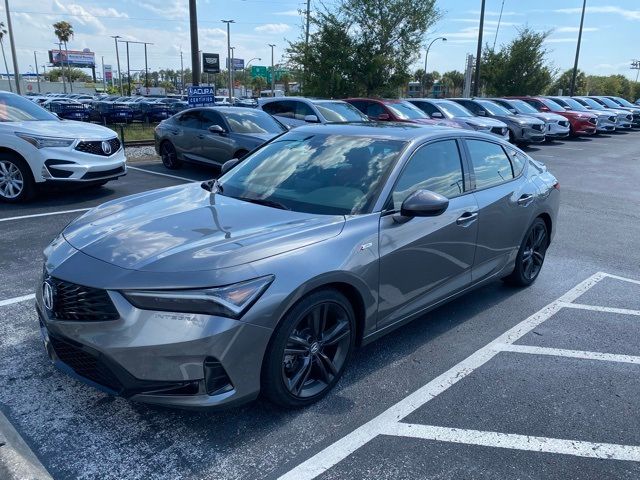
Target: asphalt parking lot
x: 502, y: 383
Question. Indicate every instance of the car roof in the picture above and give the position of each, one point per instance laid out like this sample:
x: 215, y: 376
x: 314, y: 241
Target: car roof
x: 386, y: 101
x: 386, y: 130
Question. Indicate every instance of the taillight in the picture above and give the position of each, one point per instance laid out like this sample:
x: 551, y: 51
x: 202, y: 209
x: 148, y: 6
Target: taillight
x: 556, y: 185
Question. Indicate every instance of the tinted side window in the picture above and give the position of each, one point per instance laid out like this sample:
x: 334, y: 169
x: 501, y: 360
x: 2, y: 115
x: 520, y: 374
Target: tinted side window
x: 534, y: 103
x: 282, y: 109
x: 518, y: 161
x: 490, y: 164
x: 436, y: 167
x: 209, y: 117
x: 426, y: 108
x: 375, y: 109
x: 302, y: 110
x: 474, y: 107
x: 360, y: 105
x: 190, y: 119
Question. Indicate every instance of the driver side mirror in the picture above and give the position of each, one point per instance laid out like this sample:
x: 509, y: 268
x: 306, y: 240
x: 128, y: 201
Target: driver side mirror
x: 228, y: 165
x: 514, y: 111
x: 217, y: 129
x: 436, y: 115
x: 544, y: 108
x: 384, y: 117
x: 424, y: 203
x: 311, y: 119
x: 482, y: 113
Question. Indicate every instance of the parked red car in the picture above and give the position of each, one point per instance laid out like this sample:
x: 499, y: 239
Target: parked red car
x: 383, y: 110
x: 581, y: 123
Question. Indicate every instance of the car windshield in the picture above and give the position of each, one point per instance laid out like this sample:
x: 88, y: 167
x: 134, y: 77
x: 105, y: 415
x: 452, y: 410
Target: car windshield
x: 340, y: 112
x: 553, y: 106
x: 592, y: 103
x: 522, y: 107
x: 405, y: 111
x: 625, y: 103
x: 493, y: 108
x: 574, y: 105
x: 608, y: 102
x: 18, y: 109
x: 252, y: 122
x: 313, y: 173
x: 452, y: 109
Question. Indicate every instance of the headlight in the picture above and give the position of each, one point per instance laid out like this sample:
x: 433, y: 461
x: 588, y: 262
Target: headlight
x: 228, y: 301
x: 44, y: 142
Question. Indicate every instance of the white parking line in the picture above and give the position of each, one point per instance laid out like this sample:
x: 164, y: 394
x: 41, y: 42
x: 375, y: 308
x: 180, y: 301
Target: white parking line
x: 36, y: 215
x: 598, y: 308
x: 341, y: 449
x: 161, y: 174
x: 11, y: 301
x: 566, y: 148
x: 560, y: 352
x: 514, y: 441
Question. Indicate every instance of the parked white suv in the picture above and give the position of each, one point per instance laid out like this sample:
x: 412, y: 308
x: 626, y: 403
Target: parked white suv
x: 37, y: 148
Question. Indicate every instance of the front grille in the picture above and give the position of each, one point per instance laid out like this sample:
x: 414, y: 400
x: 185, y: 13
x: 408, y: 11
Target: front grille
x: 498, y: 130
x: 95, y: 147
x: 593, y: 120
x: 84, y: 363
x: 73, y: 302
x: 103, y: 174
x: 538, y: 127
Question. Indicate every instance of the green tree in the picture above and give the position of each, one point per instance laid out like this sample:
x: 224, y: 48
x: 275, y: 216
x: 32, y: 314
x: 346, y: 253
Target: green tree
x: 362, y: 47
x: 454, y: 81
x: 563, y: 82
x: 518, y: 68
x: 258, y: 84
x: 64, y: 31
x: 75, y: 74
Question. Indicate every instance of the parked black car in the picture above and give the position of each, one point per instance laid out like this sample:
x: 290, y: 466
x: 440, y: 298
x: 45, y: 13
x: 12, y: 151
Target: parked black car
x: 68, y: 109
x: 111, y: 112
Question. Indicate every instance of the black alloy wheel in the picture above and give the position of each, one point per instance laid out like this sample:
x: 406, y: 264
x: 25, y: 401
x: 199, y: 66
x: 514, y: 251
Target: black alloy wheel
x: 531, y: 255
x: 169, y: 156
x: 310, y: 350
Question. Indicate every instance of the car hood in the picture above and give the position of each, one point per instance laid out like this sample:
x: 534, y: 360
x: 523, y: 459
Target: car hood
x: 482, y: 121
x: 64, y: 129
x: 186, y: 228
x: 519, y: 119
x: 546, y: 116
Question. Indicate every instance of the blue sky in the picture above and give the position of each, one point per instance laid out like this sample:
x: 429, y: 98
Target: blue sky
x: 609, y: 42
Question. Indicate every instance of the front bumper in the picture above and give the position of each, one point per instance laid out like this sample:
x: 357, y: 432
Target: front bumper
x: 555, y: 130
x: 162, y: 358
x: 528, y: 134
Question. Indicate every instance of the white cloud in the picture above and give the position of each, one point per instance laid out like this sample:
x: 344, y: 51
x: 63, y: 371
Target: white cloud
x: 273, y: 28
x: 174, y: 9
x: 626, y: 13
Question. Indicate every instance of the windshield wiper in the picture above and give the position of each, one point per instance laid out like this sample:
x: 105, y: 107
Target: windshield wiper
x: 212, y: 185
x: 266, y: 203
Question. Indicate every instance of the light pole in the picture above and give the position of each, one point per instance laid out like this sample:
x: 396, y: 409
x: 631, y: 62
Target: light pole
x: 193, y: 32
x: 16, y: 70
x: 116, y: 37
x: 575, y: 63
x: 64, y: 85
x: 229, y: 22
x: 35, y: 57
x: 233, y: 68
x: 273, y: 73
x: 426, y: 55
x: 476, y: 82
x: 246, y: 67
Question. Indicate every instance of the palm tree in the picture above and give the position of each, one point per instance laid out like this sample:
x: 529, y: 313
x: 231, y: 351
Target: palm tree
x: 64, y: 31
x: 3, y: 32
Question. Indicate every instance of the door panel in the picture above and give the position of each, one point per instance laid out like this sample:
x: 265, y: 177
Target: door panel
x: 188, y: 127
x: 214, y: 147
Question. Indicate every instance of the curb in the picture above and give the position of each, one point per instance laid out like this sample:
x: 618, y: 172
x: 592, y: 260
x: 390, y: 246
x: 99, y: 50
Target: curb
x: 17, y: 461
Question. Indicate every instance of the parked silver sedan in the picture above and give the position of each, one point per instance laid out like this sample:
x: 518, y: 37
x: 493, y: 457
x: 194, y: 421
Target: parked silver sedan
x: 267, y: 279
x: 213, y: 135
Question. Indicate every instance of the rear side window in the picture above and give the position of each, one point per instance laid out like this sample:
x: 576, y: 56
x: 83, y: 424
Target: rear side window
x: 436, y: 167
x: 518, y: 161
x: 490, y: 164
x: 282, y: 109
x: 302, y: 110
x: 375, y: 110
x: 426, y: 107
x: 190, y: 119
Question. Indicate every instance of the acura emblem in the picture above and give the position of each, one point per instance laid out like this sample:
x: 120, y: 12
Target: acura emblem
x: 106, y: 148
x: 47, y: 295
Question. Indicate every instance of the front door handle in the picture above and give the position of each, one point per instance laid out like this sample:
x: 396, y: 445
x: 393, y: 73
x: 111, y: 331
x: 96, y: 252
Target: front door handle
x: 466, y: 218
x: 525, y: 199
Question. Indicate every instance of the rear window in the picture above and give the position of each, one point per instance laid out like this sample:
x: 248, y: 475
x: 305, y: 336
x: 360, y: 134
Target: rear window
x: 340, y: 112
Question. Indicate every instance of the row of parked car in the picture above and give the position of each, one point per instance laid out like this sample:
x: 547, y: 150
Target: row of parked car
x: 110, y: 108
x: 216, y: 135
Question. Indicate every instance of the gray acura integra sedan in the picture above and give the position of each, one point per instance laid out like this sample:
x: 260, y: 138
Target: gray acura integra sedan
x: 265, y: 280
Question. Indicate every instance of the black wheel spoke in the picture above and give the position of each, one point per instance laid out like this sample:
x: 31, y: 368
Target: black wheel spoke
x: 297, y: 340
x: 319, y: 320
x: 326, y: 361
x: 295, y: 350
x: 300, y: 378
x: 337, y: 333
x: 538, y: 258
x: 326, y: 376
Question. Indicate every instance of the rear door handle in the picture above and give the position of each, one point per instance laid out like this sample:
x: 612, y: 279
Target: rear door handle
x: 525, y: 199
x: 466, y: 218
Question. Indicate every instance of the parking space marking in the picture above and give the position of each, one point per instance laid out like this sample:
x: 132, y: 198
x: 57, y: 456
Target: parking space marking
x: 384, y: 422
x: 598, y: 308
x: 514, y: 441
x: 11, y: 301
x: 36, y: 215
x: 161, y: 174
x: 566, y: 148
x: 561, y: 352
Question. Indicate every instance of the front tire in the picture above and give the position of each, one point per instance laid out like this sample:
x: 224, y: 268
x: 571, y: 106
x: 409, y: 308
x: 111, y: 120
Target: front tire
x: 16, y: 181
x: 169, y: 156
x: 309, y: 350
x: 531, y: 255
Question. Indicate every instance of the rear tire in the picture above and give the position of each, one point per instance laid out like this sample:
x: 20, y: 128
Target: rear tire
x: 169, y: 156
x: 16, y: 180
x: 309, y: 350
x: 531, y: 255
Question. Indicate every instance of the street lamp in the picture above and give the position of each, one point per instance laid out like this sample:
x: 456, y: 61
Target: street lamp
x: 273, y: 73
x: 426, y: 55
x: 229, y: 22
x: 246, y: 67
x: 233, y: 67
x: 115, y: 38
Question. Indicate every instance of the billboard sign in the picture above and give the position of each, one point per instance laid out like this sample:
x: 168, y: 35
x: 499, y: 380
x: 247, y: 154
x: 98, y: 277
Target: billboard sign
x: 211, y: 63
x: 201, y: 96
x: 238, y: 64
x: 107, y: 73
x: 75, y: 58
